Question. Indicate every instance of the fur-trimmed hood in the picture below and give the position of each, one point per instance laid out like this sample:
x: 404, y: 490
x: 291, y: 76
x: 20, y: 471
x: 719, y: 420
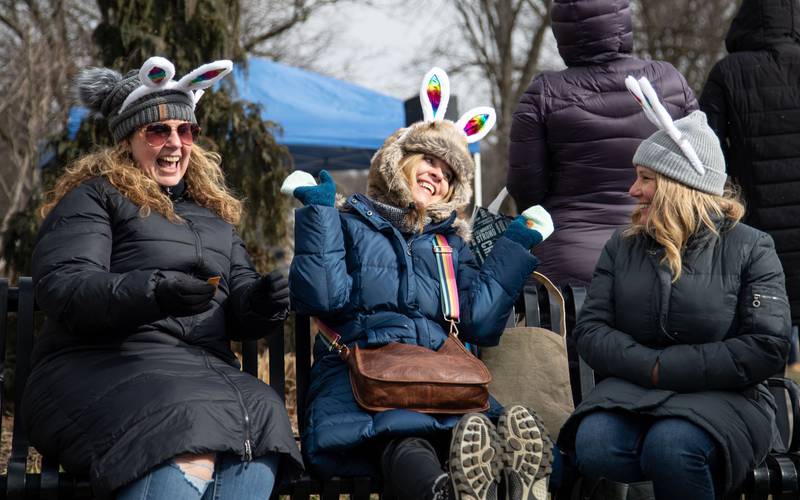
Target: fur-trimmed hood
x: 439, y: 138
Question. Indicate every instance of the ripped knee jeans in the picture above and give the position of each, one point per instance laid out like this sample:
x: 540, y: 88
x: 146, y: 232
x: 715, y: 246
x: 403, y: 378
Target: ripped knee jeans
x: 226, y: 478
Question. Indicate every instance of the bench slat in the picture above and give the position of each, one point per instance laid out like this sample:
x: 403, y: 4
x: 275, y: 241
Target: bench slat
x: 50, y: 479
x: 277, y: 370
x: 19, y: 447
x: 302, y: 342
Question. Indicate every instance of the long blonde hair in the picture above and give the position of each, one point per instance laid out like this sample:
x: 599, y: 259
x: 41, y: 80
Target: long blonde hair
x: 677, y: 212
x: 408, y: 165
x: 205, y: 183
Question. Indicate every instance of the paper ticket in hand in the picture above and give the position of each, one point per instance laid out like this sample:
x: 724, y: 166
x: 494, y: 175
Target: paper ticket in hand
x: 537, y: 218
x: 297, y: 179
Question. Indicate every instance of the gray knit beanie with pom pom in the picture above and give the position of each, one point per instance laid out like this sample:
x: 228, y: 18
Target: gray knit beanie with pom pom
x: 103, y: 91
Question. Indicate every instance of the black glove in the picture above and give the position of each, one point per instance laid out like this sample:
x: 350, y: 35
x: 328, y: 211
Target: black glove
x: 270, y: 296
x: 183, y: 295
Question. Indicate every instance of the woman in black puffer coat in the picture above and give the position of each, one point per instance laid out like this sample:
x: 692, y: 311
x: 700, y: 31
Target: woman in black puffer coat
x: 686, y: 317
x: 574, y: 133
x: 133, y: 379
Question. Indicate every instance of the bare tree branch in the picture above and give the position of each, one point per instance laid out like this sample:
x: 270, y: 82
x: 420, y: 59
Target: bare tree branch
x: 263, y: 22
x: 12, y: 24
x: 689, y: 34
x: 51, y: 36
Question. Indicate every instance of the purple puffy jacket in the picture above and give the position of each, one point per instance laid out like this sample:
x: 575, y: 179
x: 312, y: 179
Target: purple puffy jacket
x: 574, y: 133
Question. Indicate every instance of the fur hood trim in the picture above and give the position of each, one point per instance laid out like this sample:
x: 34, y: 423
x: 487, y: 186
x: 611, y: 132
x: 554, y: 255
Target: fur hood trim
x: 439, y: 138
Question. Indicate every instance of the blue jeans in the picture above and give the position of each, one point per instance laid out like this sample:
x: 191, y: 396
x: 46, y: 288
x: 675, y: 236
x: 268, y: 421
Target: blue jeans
x: 680, y: 458
x: 233, y: 479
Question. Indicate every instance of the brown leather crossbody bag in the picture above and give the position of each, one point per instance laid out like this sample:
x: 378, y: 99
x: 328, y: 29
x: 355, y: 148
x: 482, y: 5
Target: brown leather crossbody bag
x: 403, y: 376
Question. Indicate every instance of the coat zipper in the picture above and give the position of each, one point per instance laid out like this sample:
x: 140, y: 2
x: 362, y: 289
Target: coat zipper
x: 198, y: 246
x: 757, y: 299
x: 247, y: 449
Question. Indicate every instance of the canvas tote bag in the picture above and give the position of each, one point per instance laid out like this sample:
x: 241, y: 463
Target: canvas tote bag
x: 530, y: 366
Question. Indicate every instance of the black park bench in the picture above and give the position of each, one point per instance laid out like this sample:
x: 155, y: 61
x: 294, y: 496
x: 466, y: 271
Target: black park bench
x: 777, y: 476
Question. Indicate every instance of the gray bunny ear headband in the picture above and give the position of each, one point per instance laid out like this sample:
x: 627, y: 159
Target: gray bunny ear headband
x: 157, y: 74
x: 434, y: 95
x: 646, y: 96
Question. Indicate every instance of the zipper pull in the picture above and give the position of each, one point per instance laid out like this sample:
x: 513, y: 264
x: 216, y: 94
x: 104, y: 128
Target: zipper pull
x: 247, y: 453
x: 756, y: 300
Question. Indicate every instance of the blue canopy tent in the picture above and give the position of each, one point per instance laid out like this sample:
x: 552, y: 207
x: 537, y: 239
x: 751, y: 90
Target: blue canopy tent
x: 327, y: 123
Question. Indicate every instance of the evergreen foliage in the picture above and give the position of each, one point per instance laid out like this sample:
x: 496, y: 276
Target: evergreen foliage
x: 188, y: 33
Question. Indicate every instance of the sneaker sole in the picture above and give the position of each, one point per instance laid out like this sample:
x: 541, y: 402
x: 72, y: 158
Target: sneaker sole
x: 475, y: 458
x: 527, y: 453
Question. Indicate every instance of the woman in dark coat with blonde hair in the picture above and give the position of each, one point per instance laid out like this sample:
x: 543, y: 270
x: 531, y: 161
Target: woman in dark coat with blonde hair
x: 686, y: 317
x: 144, y: 283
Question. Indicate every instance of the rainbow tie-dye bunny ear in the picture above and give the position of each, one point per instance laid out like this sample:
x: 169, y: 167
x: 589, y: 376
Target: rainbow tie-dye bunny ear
x: 203, y: 77
x: 156, y: 71
x: 157, y: 74
x: 477, y: 122
x: 646, y: 96
x: 434, y: 94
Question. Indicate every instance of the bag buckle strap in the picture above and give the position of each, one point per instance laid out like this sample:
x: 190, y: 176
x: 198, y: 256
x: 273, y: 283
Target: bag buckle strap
x: 330, y: 337
x: 454, y: 328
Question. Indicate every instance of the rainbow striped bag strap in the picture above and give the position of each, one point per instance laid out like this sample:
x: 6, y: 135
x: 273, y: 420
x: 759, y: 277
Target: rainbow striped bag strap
x: 447, y: 279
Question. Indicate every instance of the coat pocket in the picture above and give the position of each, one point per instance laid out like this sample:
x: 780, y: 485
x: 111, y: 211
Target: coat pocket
x: 385, y: 326
x: 769, y: 310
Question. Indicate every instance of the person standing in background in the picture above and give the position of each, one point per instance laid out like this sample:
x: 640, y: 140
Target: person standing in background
x: 574, y: 133
x: 752, y: 99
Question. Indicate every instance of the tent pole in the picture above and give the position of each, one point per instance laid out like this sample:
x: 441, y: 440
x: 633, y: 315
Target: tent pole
x: 478, y: 185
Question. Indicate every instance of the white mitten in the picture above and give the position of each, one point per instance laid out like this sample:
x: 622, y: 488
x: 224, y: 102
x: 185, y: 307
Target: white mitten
x: 297, y: 179
x: 537, y: 218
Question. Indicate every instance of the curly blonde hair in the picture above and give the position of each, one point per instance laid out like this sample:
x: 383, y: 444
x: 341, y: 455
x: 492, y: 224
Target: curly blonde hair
x: 677, y: 212
x: 205, y: 183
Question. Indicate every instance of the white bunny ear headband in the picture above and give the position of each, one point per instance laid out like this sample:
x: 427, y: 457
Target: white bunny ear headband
x: 646, y: 96
x: 434, y: 95
x: 157, y: 74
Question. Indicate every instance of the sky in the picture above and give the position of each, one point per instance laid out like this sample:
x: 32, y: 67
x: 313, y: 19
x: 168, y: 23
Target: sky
x: 376, y: 45
x: 388, y: 46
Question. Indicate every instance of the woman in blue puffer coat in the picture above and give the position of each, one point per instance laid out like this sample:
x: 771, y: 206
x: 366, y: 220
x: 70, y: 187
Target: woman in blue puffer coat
x: 368, y: 271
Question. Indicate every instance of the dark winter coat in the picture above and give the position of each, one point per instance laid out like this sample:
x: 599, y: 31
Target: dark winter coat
x: 360, y: 275
x: 574, y: 133
x: 117, y: 386
x: 752, y: 100
x: 717, y: 334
